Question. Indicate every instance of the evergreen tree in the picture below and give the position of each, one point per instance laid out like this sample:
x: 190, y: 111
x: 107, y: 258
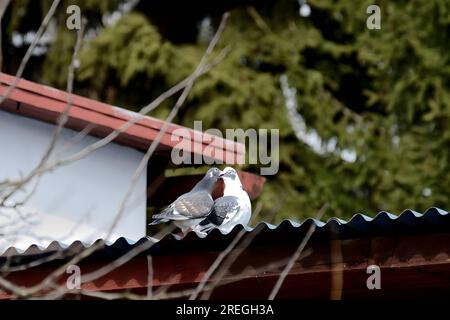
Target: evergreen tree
x: 376, y: 102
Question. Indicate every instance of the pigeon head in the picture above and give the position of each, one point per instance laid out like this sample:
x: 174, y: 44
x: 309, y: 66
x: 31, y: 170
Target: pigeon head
x: 230, y: 173
x: 209, y: 180
x: 233, y: 184
x: 213, y: 173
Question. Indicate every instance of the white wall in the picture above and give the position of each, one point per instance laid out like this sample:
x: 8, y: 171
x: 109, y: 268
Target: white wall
x: 75, y: 202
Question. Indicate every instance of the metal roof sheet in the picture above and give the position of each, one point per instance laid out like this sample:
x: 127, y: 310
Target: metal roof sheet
x: 433, y: 220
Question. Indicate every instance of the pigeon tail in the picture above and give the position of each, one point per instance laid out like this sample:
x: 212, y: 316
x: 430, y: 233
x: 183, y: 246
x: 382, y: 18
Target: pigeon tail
x: 158, y: 221
x: 161, y: 217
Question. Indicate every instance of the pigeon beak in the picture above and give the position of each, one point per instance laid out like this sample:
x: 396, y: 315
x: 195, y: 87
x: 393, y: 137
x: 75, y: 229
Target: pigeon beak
x: 225, y: 174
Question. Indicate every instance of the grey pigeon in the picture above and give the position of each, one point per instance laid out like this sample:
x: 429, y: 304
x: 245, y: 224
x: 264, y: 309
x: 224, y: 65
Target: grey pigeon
x: 231, y: 209
x: 192, y: 207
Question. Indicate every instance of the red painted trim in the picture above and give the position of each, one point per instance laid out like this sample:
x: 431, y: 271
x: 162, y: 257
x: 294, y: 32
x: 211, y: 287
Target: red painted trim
x: 47, y: 104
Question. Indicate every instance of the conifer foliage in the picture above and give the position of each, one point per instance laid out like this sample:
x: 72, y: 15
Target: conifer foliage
x: 366, y: 126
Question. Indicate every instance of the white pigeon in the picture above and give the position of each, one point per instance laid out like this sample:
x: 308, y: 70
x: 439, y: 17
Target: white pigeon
x: 231, y: 209
x: 191, y: 208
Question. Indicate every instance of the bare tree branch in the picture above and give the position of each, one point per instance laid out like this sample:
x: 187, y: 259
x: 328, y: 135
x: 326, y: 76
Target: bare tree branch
x: 30, y: 50
x: 50, y: 280
x: 227, y: 262
x: 297, y: 254
x: 248, y: 272
x: 149, y: 277
x: 62, y: 120
x: 143, y: 164
x: 337, y: 272
x: 3, y: 5
x: 114, y: 134
x: 216, y: 264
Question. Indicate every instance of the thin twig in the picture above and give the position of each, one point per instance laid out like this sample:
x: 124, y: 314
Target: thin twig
x: 30, y: 49
x: 143, y: 164
x: 216, y: 264
x: 297, y: 254
x: 62, y: 120
x: 337, y: 271
x: 52, y: 277
x: 248, y: 272
x: 114, y: 134
x: 232, y: 257
x: 149, y: 277
x: 3, y: 5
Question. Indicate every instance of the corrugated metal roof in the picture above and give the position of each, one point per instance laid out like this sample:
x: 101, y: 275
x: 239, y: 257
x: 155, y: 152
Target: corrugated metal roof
x: 434, y: 220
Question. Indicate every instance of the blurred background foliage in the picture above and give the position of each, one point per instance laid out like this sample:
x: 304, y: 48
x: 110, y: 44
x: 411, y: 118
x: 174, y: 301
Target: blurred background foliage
x: 376, y: 103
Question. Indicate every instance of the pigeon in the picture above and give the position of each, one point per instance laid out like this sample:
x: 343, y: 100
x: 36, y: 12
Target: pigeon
x: 231, y: 209
x: 191, y: 208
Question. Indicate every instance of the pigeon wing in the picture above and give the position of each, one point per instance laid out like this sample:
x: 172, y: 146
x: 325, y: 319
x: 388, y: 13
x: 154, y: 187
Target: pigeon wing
x: 191, y: 205
x: 195, y: 205
x: 224, y: 209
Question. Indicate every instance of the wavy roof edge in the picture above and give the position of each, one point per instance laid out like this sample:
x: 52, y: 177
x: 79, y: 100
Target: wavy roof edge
x: 358, y: 221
